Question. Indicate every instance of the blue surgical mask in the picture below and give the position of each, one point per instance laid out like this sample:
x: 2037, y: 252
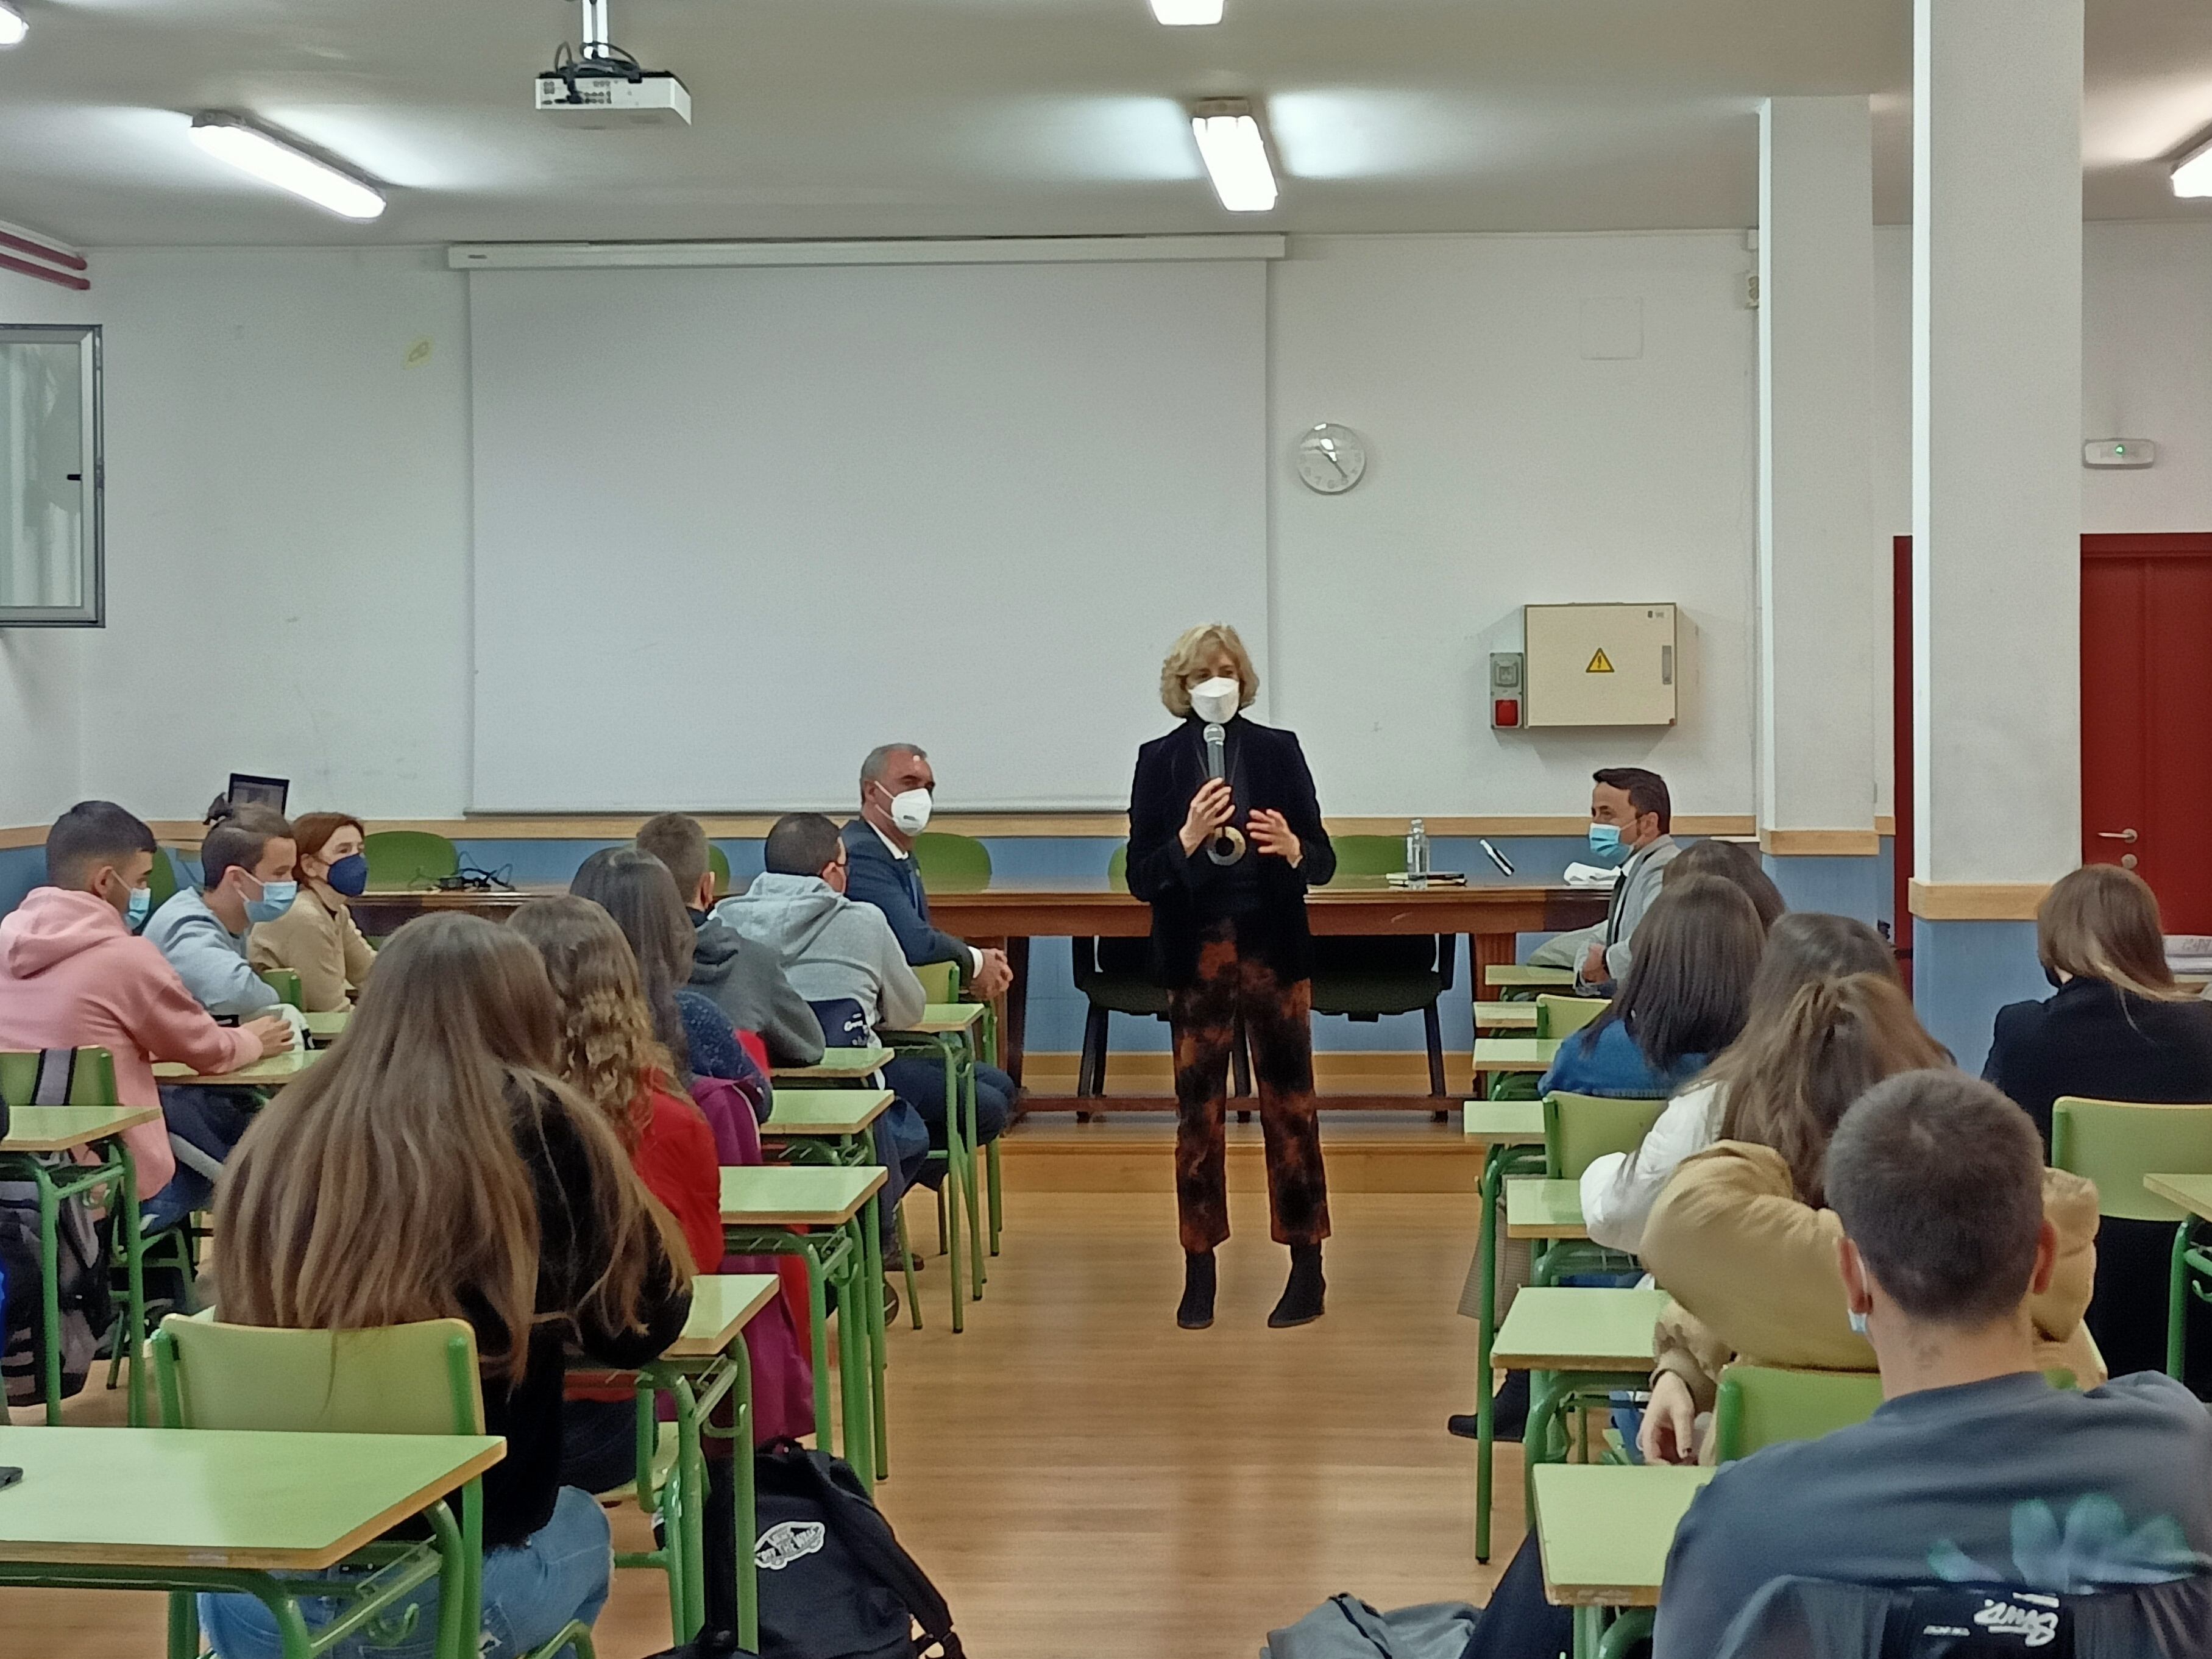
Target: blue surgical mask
x: 276, y: 899
x: 350, y: 876
x: 137, y: 908
x: 1605, y: 840
x: 1859, y: 1324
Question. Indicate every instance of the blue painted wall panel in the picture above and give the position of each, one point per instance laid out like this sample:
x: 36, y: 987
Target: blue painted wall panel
x: 1964, y: 971
x: 1839, y: 886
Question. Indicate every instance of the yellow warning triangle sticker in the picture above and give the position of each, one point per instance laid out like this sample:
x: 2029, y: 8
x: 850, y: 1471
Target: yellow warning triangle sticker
x: 1600, y: 664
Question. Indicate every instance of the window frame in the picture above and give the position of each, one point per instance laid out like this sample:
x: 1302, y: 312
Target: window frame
x: 92, y: 549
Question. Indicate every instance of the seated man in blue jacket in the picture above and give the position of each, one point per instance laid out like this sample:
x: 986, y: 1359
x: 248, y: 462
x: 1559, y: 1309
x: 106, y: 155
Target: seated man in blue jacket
x: 897, y: 788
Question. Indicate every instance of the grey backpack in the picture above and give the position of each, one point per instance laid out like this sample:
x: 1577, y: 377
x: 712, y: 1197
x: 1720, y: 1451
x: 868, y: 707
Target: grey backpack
x: 1345, y: 1627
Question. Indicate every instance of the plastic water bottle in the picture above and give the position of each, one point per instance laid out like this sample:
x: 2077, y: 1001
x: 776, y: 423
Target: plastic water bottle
x: 1417, y: 851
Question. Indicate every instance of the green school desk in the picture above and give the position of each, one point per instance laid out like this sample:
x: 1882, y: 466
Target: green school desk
x: 1515, y: 1053
x: 1575, y: 1341
x: 42, y: 1142
x: 762, y: 1209
x: 273, y: 1072
x: 2193, y: 1193
x: 835, y: 1065
x: 1539, y: 1208
x: 1505, y: 1017
x: 1512, y: 977
x: 1604, y: 1533
x: 831, y: 1114
x: 1511, y: 1133
x: 325, y: 1028
x: 186, y: 1510
x: 946, y: 1032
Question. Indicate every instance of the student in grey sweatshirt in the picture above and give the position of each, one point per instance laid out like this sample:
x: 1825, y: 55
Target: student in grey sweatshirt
x: 246, y: 877
x: 830, y: 946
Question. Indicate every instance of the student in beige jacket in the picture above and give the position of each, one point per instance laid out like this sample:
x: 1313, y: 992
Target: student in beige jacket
x: 1741, y: 1241
x: 316, y: 938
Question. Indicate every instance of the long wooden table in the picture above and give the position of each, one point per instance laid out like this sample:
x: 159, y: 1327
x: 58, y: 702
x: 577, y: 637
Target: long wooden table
x: 1490, y: 913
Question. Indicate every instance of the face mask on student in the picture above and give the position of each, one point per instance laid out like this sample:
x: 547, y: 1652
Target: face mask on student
x: 276, y: 899
x: 1605, y: 840
x: 350, y: 876
x: 1215, y: 701
x: 910, y: 810
x: 137, y: 908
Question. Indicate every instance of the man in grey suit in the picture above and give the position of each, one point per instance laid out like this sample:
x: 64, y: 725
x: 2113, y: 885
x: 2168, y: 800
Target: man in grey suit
x: 1630, y: 809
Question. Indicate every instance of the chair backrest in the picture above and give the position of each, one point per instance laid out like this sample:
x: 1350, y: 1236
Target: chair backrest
x: 1369, y: 855
x: 941, y: 980
x: 2116, y: 1145
x: 1764, y: 1405
x: 58, y: 1077
x: 951, y: 863
x: 419, y: 1378
x: 161, y: 879
x: 718, y: 865
x: 1117, y: 868
x: 400, y: 859
x: 1561, y: 1017
x: 285, y: 982
x: 1580, y: 1128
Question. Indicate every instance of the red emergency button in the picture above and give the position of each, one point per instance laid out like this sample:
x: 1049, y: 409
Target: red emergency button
x: 1505, y: 711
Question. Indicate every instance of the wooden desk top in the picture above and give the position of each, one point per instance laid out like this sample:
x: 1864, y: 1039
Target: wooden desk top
x: 722, y: 1305
x: 273, y: 1072
x: 1063, y: 906
x: 1503, y: 1122
x: 1605, y: 1530
x: 1515, y: 1053
x: 2193, y: 1193
x: 66, y: 1129
x: 1522, y: 976
x: 797, y: 1195
x: 1578, y: 1328
x: 208, y: 1498
x: 1537, y: 1208
x: 826, y: 1113
x: 835, y: 1063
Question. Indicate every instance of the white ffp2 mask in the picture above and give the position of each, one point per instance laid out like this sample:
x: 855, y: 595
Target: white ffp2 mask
x: 1215, y: 701
x: 910, y: 811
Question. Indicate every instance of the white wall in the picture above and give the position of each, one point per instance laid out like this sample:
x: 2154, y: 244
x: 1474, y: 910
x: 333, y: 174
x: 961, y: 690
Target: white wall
x: 289, y: 507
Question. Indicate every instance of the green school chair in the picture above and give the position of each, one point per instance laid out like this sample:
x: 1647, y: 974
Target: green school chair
x: 400, y: 860
x: 952, y: 864
x: 420, y: 1378
x: 1364, y: 977
x: 1115, y: 976
x: 1562, y: 1017
x: 1764, y: 1405
x: 718, y: 865
x: 940, y: 982
x: 2116, y: 1145
x: 285, y: 982
x: 161, y: 880
x: 1578, y: 1129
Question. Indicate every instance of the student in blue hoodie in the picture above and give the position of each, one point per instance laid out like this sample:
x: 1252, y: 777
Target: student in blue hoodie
x: 1682, y: 1003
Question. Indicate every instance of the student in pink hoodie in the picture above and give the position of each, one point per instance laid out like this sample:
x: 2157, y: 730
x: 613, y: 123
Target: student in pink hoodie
x: 72, y: 976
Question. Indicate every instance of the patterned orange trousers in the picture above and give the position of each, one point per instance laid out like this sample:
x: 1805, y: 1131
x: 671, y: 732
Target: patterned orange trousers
x: 1278, y: 1021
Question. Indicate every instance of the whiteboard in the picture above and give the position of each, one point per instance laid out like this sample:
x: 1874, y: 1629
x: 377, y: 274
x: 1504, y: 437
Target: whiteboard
x: 735, y: 527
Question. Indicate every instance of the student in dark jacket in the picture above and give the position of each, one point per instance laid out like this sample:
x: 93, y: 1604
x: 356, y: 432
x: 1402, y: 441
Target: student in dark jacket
x: 2117, y: 1029
x: 1225, y: 863
x: 897, y: 790
x: 745, y: 978
x: 432, y: 1167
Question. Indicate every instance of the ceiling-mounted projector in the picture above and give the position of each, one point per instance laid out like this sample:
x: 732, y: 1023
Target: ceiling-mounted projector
x: 600, y: 85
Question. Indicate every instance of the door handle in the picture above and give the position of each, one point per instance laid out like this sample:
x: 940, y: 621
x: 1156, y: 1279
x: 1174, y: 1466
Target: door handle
x: 2117, y: 835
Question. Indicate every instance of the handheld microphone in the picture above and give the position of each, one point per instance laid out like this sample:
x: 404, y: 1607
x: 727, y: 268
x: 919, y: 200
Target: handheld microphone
x: 1227, y: 843
x: 1504, y: 864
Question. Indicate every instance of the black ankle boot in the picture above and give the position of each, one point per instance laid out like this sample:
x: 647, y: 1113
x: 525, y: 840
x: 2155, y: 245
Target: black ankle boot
x: 1302, y: 1297
x: 1196, y: 1311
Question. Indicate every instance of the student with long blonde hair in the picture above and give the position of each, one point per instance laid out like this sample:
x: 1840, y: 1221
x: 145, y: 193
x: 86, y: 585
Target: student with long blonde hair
x: 432, y: 1166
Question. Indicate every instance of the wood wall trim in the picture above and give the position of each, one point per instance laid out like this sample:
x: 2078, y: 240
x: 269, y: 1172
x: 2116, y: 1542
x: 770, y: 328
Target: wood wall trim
x: 1973, y: 900
x: 1885, y: 824
x: 751, y: 826
x: 1820, y: 843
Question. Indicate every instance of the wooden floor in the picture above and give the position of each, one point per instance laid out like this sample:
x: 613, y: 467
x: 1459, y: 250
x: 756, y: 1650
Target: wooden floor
x: 1082, y: 1477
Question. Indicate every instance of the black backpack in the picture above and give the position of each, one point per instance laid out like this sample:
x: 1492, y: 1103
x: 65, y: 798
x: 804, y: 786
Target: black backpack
x: 834, y: 1582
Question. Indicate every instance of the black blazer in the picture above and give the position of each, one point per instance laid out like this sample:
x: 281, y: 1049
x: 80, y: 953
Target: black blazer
x: 1170, y: 771
x: 2095, y: 1040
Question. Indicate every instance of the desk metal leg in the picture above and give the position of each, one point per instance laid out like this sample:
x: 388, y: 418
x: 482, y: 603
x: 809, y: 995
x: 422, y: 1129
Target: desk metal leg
x: 1485, y: 1400
x: 134, y: 1282
x: 860, y: 1437
x: 818, y: 1319
x: 965, y: 1070
x: 872, y: 1271
x: 50, y: 1288
x: 748, y: 1501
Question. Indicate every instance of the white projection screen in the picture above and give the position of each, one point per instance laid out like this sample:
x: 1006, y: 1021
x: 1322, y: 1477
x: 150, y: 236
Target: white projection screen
x: 735, y: 527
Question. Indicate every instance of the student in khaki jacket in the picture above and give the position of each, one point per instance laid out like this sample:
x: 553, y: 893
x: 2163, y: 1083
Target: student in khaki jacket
x: 316, y: 938
x: 1740, y: 1238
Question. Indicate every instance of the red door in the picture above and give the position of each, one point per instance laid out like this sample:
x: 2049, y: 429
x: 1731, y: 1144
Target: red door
x: 2147, y: 716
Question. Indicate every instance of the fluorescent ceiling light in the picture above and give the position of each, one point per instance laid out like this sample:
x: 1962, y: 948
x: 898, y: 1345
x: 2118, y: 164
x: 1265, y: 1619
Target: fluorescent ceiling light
x: 2192, y: 173
x: 13, y: 29
x: 272, y: 161
x: 1236, y: 154
x: 1178, y: 13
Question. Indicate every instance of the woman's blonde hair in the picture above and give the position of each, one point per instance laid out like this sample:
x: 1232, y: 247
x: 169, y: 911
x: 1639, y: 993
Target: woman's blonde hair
x: 1195, y: 650
x: 1791, y: 1079
x: 2102, y: 922
x: 389, y: 1185
x: 608, y: 1052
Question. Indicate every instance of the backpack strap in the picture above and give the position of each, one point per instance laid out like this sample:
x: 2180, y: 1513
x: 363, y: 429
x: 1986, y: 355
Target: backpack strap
x: 57, y: 1070
x: 863, y: 1530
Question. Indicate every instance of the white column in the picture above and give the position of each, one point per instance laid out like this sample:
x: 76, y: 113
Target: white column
x: 1821, y: 568
x: 1997, y: 437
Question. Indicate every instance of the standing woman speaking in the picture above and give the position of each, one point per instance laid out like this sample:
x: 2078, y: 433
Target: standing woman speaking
x: 1225, y: 838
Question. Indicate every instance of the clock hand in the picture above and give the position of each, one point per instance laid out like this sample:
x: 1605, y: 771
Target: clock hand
x: 1328, y: 454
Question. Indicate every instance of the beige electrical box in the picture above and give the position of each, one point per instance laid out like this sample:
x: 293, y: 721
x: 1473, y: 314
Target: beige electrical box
x: 1600, y: 665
